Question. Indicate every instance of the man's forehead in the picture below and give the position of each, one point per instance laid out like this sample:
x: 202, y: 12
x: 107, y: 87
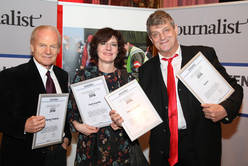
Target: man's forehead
x: 160, y: 26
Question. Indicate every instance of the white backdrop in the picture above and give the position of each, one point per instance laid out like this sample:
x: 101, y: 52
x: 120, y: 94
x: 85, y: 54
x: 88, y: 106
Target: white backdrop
x: 17, y: 20
x: 222, y: 26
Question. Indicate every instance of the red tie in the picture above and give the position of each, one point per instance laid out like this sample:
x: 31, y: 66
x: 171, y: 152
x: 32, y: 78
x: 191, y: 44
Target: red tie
x: 172, y: 112
x: 50, y: 87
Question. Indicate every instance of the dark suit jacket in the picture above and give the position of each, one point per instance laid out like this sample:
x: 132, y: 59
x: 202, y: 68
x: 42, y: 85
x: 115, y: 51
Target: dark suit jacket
x: 206, y: 134
x: 20, y: 88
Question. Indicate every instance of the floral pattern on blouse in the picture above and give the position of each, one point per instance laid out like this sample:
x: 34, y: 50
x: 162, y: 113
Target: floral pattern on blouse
x: 106, y: 147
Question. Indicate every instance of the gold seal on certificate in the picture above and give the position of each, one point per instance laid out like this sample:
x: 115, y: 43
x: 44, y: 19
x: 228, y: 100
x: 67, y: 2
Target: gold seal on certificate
x: 204, y: 81
x: 135, y: 108
x: 89, y: 96
x: 53, y: 107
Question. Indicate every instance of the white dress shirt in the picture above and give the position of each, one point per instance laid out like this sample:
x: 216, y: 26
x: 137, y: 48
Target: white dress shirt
x: 42, y: 70
x: 176, y: 63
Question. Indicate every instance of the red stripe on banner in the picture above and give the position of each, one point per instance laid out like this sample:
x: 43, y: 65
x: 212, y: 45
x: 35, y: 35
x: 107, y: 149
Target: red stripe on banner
x: 60, y: 28
x: 82, y: 1
x: 96, y: 1
x: 76, y: 1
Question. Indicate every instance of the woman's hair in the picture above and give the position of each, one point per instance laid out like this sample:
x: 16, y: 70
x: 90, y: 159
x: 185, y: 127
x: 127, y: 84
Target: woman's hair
x: 103, y: 35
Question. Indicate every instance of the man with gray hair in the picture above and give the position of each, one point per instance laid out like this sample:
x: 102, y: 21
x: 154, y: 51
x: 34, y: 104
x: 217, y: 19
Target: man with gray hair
x: 190, y: 134
x: 20, y: 88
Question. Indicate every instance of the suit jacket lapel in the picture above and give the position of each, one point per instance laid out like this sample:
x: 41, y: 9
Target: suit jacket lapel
x: 160, y: 79
x: 35, y: 78
x: 186, y: 55
x: 161, y: 90
x: 61, y: 79
x: 183, y: 92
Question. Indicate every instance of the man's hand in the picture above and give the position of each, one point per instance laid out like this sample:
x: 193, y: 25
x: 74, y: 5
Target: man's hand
x: 35, y: 124
x: 214, y: 112
x: 65, y: 143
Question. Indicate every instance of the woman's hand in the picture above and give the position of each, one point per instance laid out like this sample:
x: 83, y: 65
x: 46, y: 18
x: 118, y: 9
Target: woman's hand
x: 84, y: 128
x: 117, y: 120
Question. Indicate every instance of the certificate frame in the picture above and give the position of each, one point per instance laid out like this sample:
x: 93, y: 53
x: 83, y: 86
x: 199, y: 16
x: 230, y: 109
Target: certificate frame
x: 54, y: 108
x: 135, y: 108
x: 89, y: 96
x: 211, y: 87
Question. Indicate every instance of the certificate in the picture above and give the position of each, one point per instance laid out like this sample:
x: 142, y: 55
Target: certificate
x: 53, y: 107
x: 204, y: 81
x: 89, y: 96
x: 135, y: 108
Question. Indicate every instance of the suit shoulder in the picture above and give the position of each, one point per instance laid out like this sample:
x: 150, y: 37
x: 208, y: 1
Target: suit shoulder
x: 207, y: 51
x: 14, y: 75
x: 62, y: 71
x: 150, y: 62
x: 16, y: 70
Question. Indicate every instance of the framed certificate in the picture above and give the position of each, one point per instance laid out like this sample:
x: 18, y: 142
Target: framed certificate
x: 53, y: 107
x: 135, y: 108
x: 204, y: 81
x: 89, y: 96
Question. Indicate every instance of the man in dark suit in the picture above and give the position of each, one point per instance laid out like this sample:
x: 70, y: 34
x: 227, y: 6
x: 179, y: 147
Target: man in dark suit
x: 199, y: 130
x: 194, y: 139
x: 20, y: 88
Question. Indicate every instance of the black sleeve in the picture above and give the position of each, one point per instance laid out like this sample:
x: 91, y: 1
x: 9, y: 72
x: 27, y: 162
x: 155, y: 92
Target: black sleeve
x: 233, y: 103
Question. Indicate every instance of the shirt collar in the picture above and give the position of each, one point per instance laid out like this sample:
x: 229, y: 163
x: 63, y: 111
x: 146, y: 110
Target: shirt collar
x: 178, y: 51
x: 42, y: 70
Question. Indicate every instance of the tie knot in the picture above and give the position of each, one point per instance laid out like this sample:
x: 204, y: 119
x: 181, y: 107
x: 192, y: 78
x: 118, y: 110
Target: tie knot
x: 170, y: 59
x: 48, y: 74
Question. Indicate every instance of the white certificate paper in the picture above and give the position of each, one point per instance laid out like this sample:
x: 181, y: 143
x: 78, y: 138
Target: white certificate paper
x: 53, y: 107
x: 204, y: 81
x: 89, y: 96
x: 135, y: 108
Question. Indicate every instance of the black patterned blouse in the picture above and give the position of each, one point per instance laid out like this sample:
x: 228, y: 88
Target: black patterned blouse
x: 106, y: 147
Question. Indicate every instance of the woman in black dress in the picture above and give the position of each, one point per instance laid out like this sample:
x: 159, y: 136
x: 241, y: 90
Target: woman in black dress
x: 104, y: 146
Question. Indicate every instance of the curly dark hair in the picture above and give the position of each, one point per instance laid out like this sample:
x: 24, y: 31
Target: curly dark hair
x: 103, y: 35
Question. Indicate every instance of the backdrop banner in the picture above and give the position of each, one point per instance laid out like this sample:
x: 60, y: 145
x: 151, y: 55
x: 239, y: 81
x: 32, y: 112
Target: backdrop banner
x: 17, y: 20
x: 223, y: 26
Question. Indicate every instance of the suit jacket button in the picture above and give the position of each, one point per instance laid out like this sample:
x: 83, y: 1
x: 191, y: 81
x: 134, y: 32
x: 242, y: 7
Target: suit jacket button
x: 161, y: 151
x: 164, y: 130
x: 166, y: 107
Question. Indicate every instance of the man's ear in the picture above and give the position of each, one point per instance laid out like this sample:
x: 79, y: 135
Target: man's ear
x: 176, y: 29
x: 150, y: 39
x: 32, y: 47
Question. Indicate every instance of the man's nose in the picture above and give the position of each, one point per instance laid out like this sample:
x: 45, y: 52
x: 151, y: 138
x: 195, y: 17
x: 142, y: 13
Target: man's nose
x: 48, y: 50
x: 162, y: 36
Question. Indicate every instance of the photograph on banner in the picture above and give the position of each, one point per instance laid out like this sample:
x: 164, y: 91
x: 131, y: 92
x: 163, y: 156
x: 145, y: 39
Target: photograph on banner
x: 76, y: 47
